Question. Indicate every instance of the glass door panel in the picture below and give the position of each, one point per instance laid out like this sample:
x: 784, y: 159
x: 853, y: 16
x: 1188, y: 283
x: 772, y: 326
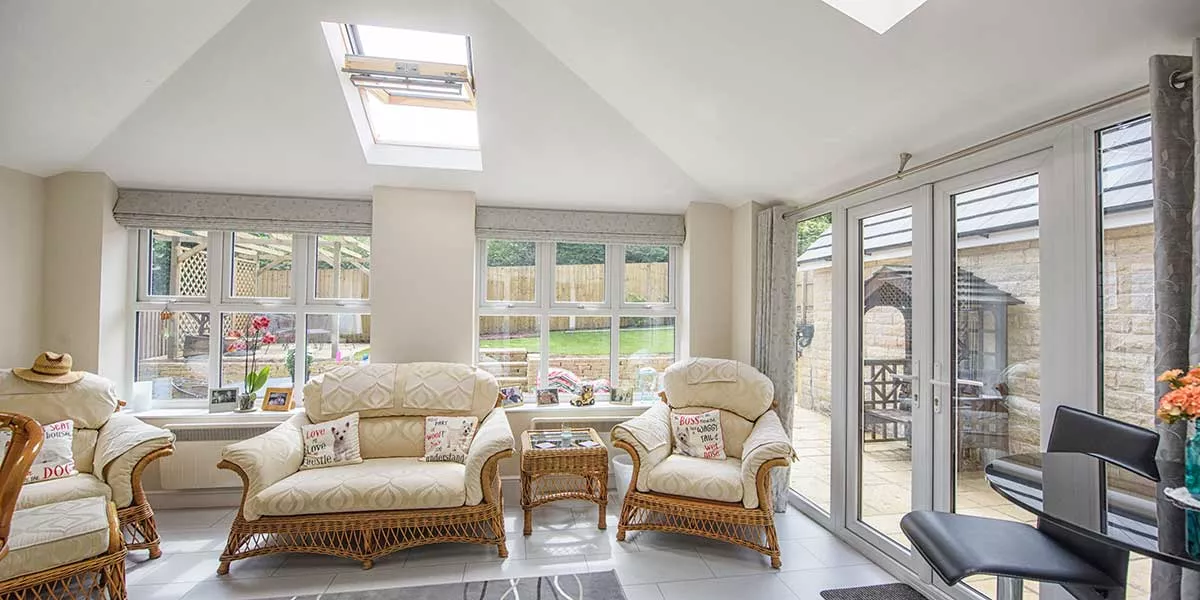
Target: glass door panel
x: 988, y: 340
x: 890, y: 321
x: 812, y: 433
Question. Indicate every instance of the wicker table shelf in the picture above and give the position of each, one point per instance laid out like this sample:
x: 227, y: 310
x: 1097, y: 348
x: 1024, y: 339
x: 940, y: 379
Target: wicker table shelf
x: 565, y: 471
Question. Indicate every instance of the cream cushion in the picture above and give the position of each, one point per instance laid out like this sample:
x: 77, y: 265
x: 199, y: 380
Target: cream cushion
x: 391, y: 437
x: 375, y: 484
x: 416, y: 389
x: 717, y: 383
x: 734, y: 429
x: 83, y: 485
x: 89, y: 402
x: 56, y: 534
x: 83, y: 448
x: 703, y: 478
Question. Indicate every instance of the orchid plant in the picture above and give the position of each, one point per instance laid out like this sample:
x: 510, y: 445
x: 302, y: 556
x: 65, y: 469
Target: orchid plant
x: 250, y: 339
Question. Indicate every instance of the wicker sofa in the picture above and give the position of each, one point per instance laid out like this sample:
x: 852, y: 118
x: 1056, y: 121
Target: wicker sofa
x: 390, y: 501
x: 110, y: 449
x: 728, y: 500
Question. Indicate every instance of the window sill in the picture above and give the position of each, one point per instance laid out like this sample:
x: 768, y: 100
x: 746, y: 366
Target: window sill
x: 163, y: 416
x: 599, y: 407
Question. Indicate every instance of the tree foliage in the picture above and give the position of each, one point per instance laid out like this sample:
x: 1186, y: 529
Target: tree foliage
x: 503, y: 253
x: 808, y: 230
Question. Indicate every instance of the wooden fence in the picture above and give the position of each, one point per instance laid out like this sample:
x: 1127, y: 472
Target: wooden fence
x: 355, y: 283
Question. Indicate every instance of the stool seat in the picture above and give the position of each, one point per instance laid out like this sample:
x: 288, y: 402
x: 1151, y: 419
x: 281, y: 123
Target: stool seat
x: 958, y: 546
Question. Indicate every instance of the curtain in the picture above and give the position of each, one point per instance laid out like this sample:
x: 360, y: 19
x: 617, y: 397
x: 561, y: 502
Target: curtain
x: 1175, y: 130
x: 775, y: 320
x: 525, y: 224
x: 155, y: 209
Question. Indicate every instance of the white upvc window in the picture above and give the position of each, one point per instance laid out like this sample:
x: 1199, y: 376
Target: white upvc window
x: 605, y: 313
x: 195, y: 289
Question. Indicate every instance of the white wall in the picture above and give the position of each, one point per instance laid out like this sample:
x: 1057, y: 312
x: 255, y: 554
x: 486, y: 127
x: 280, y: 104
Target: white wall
x: 743, y: 241
x: 422, y: 276
x: 705, y: 281
x: 86, y: 276
x: 22, y: 198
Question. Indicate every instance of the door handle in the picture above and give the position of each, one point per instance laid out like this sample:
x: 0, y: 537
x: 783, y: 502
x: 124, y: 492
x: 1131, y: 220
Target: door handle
x: 937, y: 400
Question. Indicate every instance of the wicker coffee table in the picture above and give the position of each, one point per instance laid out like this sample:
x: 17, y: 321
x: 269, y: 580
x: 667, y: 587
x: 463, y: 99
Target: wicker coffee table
x: 556, y: 466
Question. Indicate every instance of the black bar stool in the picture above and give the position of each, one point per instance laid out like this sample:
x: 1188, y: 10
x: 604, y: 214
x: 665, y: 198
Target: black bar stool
x: 958, y: 546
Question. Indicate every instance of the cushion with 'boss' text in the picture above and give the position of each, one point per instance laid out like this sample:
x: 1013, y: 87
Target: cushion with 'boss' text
x: 698, y: 435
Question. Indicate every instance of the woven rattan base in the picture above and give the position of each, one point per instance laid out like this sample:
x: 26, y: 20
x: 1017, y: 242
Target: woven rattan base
x: 364, y: 536
x: 138, y: 528
x: 100, y: 578
x: 750, y: 527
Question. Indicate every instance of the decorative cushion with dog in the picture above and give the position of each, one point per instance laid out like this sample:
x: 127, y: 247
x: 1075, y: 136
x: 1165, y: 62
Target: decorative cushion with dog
x: 55, y: 460
x: 331, y: 443
x: 698, y: 435
x: 448, y: 439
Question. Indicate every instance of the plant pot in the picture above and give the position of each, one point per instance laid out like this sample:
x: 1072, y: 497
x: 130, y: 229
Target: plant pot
x: 247, y: 402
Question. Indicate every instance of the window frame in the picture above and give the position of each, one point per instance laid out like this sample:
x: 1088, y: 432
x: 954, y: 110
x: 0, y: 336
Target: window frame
x: 544, y: 306
x: 220, y: 301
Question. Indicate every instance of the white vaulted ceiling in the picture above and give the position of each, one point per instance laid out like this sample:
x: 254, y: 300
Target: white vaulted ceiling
x: 599, y: 104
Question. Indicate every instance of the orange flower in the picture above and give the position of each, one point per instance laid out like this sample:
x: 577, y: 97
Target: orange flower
x: 1171, y: 375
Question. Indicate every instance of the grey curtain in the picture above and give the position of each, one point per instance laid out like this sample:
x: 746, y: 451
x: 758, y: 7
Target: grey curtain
x: 156, y: 209
x: 525, y: 224
x: 1174, y: 134
x: 775, y: 320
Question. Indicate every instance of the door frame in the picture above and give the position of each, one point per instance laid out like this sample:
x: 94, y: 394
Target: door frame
x: 920, y: 199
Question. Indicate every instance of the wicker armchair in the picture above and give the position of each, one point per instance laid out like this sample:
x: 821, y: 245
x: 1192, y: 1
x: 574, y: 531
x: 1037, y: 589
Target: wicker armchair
x: 111, y: 450
x: 391, y: 500
x: 727, y: 500
x: 70, y: 549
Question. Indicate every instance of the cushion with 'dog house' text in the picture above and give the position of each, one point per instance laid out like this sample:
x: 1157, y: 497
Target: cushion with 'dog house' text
x: 331, y: 443
x: 56, y: 459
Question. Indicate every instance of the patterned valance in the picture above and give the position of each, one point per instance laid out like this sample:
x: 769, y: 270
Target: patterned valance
x: 578, y: 226
x: 239, y: 212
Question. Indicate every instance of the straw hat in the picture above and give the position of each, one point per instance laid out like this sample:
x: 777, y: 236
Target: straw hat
x: 50, y: 367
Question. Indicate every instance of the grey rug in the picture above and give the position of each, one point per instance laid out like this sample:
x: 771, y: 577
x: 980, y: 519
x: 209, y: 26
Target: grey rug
x: 891, y: 591
x: 592, y: 586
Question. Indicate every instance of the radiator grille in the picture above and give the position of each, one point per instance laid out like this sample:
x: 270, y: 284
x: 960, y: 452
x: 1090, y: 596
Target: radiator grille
x: 218, y: 433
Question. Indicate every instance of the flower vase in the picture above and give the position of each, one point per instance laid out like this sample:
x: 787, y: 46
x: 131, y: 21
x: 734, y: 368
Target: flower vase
x: 247, y: 402
x: 1192, y: 481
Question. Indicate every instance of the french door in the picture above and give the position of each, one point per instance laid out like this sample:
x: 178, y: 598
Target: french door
x: 943, y: 345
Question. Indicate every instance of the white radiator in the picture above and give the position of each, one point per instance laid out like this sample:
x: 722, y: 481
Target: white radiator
x: 197, y: 452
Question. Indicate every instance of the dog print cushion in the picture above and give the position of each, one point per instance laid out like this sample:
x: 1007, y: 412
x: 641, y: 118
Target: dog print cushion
x: 55, y: 460
x: 331, y: 443
x: 447, y: 439
x: 698, y: 435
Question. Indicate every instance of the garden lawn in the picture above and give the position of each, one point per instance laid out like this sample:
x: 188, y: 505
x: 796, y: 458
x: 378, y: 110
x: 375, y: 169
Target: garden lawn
x: 651, y: 340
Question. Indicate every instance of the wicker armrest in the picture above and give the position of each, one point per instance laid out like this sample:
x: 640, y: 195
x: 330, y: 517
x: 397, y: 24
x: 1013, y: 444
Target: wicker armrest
x: 647, y: 437
x: 768, y: 445
x: 265, y: 459
x: 494, y: 440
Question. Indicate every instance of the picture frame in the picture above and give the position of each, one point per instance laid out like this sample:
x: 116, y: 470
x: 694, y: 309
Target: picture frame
x: 511, y: 396
x: 277, y: 399
x: 622, y: 396
x: 222, y: 400
x: 547, y: 396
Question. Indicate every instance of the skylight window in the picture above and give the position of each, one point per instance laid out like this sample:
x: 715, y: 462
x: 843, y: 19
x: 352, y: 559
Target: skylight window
x: 410, y: 93
x: 880, y: 15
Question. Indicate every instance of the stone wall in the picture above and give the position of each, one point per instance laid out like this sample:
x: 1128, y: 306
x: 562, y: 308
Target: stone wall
x: 1128, y: 281
x: 596, y: 367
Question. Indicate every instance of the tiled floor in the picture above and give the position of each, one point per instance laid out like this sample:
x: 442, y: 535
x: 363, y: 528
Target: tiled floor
x: 651, y: 566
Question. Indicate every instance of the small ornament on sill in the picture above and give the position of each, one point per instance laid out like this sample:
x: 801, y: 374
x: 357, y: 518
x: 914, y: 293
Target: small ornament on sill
x: 586, y: 397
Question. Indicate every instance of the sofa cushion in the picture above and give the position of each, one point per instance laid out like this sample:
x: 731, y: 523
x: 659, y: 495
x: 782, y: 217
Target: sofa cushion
x: 734, y: 429
x: 698, y: 435
x: 88, y: 402
x: 375, y: 484
x: 419, y: 389
x: 392, y: 437
x: 331, y: 443
x: 718, y: 383
x: 83, y: 447
x: 82, y: 485
x: 703, y: 478
x: 52, y: 535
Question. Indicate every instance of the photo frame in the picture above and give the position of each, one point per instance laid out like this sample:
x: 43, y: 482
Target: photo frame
x: 277, y: 399
x: 511, y: 396
x: 622, y: 396
x: 547, y: 396
x: 222, y: 400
